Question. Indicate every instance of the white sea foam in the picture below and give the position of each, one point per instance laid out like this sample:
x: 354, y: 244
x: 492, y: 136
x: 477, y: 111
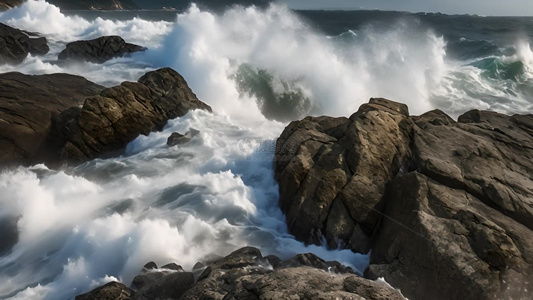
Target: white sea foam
x: 337, y: 77
x: 157, y: 203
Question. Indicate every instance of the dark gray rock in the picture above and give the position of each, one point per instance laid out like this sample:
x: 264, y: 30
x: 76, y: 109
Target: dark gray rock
x: 171, y: 286
x: 150, y: 274
x: 112, y: 290
x: 150, y: 266
x: 99, y: 50
x: 445, y: 206
x: 33, y: 109
x: 180, y: 139
x: 173, y: 267
x: 246, y: 274
x: 15, y: 45
x: 311, y: 260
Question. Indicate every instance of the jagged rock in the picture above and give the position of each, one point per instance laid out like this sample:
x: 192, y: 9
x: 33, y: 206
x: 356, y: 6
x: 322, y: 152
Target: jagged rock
x: 150, y: 266
x: 150, y: 274
x: 446, y: 206
x: 15, y: 45
x: 9, y: 236
x: 107, y: 123
x: 171, y: 286
x: 31, y: 108
x: 173, y: 267
x: 311, y: 260
x: 246, y: 274
x: 99, y: 50
x: 42, y: 120
x: 112, y: 290
x: 179, y: 139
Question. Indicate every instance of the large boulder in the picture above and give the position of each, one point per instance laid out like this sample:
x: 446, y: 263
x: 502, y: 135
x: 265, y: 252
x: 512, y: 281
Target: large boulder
x: 29, y: 108
x: 15, y: 45
x: 445, y: 206
x: 333, y: 172
x: 62, y: 118
x: 99, y: 50
x: 108, y: 122
x: 246, y: 274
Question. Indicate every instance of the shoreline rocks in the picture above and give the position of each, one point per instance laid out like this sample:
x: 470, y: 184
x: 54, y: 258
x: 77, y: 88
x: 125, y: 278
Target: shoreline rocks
x: 246, y: 274
x: 108, y: 122
x: 98, y: 50
x: 29, y: 108
x: 61, y: 118
x: 15, y: 45
x: 445, y: 206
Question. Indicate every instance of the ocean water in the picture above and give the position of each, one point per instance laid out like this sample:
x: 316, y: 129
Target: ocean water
x: 68, y: 231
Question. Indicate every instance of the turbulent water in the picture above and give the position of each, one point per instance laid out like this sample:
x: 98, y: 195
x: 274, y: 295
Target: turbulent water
x: 68, y: 231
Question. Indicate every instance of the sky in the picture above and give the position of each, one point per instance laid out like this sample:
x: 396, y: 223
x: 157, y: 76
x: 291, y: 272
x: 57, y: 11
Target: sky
x: 480, y: 7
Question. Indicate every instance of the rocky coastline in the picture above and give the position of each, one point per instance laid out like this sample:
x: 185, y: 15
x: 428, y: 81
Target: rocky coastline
x: 444, y: 207
x: 246, y: 274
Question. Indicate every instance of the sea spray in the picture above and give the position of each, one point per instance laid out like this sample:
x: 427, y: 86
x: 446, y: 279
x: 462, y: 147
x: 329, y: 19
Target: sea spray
x: 334, y: 76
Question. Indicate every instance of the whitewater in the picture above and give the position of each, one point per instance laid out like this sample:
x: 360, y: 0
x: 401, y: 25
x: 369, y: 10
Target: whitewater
x: 80, y: 227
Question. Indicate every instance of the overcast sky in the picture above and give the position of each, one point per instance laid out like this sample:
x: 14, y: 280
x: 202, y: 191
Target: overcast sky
x: 480, y: 7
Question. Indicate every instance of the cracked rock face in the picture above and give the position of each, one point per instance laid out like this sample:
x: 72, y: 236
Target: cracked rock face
x: 446, y: 206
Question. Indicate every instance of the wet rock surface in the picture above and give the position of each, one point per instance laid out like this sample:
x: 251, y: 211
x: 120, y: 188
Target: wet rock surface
x: 62, y: 118
x: 31, y: 107
x: 445, y: 206
x: 246, y: 274
x: 107, y: 123
x: 179, y: 139
x: 15, y: 45
x: 99, y: 50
